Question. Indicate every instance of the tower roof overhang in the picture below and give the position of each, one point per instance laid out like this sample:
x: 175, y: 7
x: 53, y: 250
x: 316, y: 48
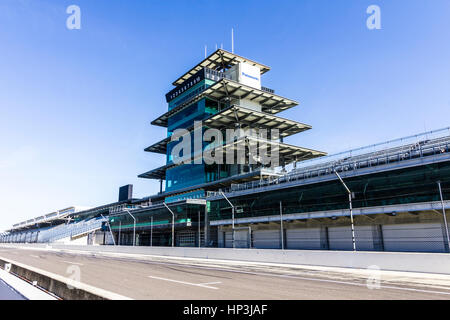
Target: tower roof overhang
x: 225, y: 90
x: 156, y: 174
x: 219, y: 60
x: 245, y: 117
x: 228, y: 117
x: 159, y: 147
x: 287, y: 153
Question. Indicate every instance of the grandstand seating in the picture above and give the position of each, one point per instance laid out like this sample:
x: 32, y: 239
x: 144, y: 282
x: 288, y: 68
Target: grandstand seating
x: 326, y: 166
x: 55, y: 233
x: 70, y: 230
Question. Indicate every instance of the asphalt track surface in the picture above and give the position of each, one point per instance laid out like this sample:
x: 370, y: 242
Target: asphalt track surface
x: 165, y: 278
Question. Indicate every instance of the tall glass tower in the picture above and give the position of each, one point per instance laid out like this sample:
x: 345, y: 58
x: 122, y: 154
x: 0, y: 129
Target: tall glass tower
x: 224, y: 92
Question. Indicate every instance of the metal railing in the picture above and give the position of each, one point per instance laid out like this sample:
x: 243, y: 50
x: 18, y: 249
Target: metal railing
x: 46, y: 218
x: 51, y: 234
x: 70, y: 230
x: 267, y: 90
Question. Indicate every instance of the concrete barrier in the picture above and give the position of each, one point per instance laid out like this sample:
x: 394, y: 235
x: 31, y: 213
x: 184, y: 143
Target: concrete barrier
x: 438, y: 263
x: 62, y: 287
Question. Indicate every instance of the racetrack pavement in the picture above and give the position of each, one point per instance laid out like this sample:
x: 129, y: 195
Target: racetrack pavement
x: 168, y: 278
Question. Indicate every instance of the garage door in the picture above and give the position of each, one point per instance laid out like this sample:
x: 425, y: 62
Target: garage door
x: 303, y: 238
x: 340, y: 238
x: 266, y: 239
x: 241, y: 239
x: 228, y: 239
x: 422, y: 237
x: 186, y: 239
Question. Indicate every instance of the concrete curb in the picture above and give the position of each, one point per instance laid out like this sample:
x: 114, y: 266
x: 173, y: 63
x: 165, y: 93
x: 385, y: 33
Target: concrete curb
x: 65, y: 288
x: 26, y: 289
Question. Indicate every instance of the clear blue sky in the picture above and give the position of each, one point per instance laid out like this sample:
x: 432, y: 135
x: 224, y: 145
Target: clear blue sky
x: 76, y: 105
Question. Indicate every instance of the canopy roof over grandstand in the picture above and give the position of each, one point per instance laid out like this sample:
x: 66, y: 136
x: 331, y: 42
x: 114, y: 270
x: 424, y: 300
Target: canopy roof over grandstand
x: 219, y: 60
x: 225, y: 90
x: 48, y: 218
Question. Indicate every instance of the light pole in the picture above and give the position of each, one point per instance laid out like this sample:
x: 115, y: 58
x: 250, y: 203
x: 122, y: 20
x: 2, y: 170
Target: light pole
x: 110, y: 231
x: 173, y: 224
x: 120, y: 227
x: 281, y: 226
x: 134, y: 227
x: 445, y: 217
x: 232, y: 216
x: 351, y: 209
x: 199, y: 230
x: 151, y: 231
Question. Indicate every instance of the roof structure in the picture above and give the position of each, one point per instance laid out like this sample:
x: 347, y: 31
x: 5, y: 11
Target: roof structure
x: 227, y: 118
x: 53, y: 216
x: 287, y: 153
x: 219, y: 60
x: 157, y: 174
x: 225, y: 90
x: 159, y: 147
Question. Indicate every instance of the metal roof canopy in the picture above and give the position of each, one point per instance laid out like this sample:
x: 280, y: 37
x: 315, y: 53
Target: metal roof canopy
x: 162, y: 120
x: 226, y: 118
x: 270, y: 102
x: 158, y: 173
x: 226, y: 89
x: 219, y: 60
x: 53, y: 216
x: 159, y: 147
x: 287, y: 153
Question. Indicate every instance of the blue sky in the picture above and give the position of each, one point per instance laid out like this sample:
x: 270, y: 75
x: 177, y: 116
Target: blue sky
x: 76, y: 105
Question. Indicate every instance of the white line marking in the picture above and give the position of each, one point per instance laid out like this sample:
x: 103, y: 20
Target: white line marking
x: 32, y: 255
x: 316, y: 279
x: 293, y: 277
x: 103, y: 254
x: 203, y: 285
x: 217, y: 282
x: 77, y: 263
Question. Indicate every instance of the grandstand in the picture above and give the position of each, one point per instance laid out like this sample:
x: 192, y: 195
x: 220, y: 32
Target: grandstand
x: 65, y: 231
x: 419, y: 149
x: 398, y: 190
x: 397, y: 207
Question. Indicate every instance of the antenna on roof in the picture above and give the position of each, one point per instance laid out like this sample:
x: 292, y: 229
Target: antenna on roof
x: 205, y: 51
x: 221, y: 46
x: 232, y: 40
